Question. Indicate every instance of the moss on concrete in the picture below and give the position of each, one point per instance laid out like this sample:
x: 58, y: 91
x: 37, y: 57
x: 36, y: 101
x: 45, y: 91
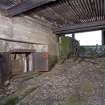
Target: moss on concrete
x: 52, y: 60
x: 11, y: 101
x: 67, y: 47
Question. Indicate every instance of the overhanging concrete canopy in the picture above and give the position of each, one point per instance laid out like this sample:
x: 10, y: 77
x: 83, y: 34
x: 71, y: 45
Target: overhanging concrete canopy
x: 13, y: 8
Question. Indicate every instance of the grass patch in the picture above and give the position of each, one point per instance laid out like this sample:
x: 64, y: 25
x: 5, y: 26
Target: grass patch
x: 27, y: 92
x: 27, y: 78
x: 75, y: 100
x: 52, y: 60
x: 86, y: 88
x: 11, y: 101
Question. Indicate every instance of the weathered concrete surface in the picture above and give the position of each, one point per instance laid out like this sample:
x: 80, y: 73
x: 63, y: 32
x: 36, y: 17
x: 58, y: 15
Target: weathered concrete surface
x: 53, y: 45
x: 53, y: 51
x: 76, y: 82
x: 35, y: 33
x: 26, y: 32
x: 67, y: 47
x: 25, y: 28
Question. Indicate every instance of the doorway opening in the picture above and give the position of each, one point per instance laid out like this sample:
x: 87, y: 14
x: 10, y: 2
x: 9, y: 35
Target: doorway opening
x: 21, y: 61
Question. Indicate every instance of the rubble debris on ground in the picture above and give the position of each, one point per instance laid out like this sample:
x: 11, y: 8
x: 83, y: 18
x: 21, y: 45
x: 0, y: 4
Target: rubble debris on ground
x: 76, y: 82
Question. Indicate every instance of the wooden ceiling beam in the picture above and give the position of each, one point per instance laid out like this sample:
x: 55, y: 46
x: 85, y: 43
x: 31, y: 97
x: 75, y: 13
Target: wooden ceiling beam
x: 99, y: 25
x: 25, y: 6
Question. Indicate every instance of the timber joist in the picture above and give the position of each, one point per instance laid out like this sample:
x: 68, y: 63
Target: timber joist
x: 63, y: 14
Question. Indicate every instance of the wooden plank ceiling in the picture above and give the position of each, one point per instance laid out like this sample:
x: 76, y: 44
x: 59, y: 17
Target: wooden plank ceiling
x: 66, y: 13
x: 6, y: 4
x: 16, y: 7
x: 67, y: 16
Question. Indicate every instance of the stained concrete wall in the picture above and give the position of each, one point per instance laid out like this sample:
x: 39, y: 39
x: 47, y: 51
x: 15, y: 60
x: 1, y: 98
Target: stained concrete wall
x: 53, y: 50
x: 53, y: 44
x: 25, y: 28
x: 23, y: 32
x: 67, y: 47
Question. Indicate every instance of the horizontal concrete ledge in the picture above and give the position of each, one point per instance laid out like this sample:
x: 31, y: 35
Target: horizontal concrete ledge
x: 22, y: 41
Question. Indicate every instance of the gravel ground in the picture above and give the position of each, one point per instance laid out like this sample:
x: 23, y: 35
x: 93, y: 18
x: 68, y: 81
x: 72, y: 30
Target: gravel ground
x: 76, y: 82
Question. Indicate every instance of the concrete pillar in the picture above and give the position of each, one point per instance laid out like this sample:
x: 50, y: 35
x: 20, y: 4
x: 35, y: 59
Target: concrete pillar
x: 73, y: 35
x: 30, y: 62
x: 103, y: 37
x: 25, y: 63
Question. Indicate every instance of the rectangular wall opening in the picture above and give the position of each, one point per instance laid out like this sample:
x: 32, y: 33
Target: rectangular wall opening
x: 21, y: 61
x: 89, y: 38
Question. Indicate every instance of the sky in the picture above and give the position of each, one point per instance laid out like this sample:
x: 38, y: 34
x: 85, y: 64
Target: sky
x: 89, y: 38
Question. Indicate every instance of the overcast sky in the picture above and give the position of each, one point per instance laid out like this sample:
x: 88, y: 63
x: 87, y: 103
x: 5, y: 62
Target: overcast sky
x: 89, y: 38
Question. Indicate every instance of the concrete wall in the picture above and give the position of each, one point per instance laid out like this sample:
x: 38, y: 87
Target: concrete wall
x: 53, y: 51
x: 53, y: 45
x: 25, y: 32
x: 67, y: 47
x: 26, y: 29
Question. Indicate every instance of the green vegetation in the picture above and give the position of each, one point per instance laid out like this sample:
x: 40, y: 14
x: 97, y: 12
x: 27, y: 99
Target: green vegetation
x: 86, y: 88
x: 67, y: 48
x: 27, y: 92
x: 81, y: 98
x: 92, y: 51
x: 11, y: 101
x: 27, y: 78
x: 52, y: 60
x: 75, y: 100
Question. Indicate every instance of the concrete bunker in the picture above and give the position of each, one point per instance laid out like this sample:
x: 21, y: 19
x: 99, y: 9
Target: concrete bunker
x: 27, y: 60
x: 21, y: 60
